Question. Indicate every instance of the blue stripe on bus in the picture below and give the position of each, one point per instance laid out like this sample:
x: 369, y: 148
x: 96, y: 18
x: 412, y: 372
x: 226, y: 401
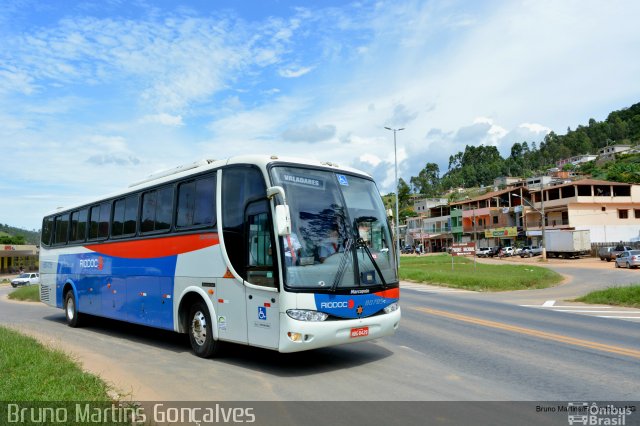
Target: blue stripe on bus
x: 354, y: 306
x: 134, y: 290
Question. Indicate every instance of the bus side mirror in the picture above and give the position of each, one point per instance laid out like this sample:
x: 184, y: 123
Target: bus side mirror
x: 283, y: 220
x: 283, y: 216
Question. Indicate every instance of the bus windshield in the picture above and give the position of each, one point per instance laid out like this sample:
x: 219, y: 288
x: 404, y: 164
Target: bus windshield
x: 340, y: 237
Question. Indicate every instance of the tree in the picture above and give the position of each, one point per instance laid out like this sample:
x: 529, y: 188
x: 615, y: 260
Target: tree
x: 428, y: 181
x: 404, y: 193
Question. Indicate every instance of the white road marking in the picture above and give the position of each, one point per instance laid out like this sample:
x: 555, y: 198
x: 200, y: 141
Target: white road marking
x: 432, y: 288
x: 604, y: 316
x: 549, y: 303
x: 631, y: 314
x: 571, y: 307
x: 592, y: 312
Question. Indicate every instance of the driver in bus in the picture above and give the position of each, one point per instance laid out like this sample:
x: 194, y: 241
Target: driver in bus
x: 331, y: 245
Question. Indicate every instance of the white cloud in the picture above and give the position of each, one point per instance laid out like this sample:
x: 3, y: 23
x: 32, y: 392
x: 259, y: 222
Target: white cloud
x: 15, y: 80
x: 294, y: 72
x: 310, y: 133
x: 536, y: 128
x: 372, y: 159
x: 164, y: 119
x: 118, y: 159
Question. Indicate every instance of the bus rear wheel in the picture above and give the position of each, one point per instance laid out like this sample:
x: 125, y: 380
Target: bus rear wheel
x: 201, y: 331
x: 71, y: 310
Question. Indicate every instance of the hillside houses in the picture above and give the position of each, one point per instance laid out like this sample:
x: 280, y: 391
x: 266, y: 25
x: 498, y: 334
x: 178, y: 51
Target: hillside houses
x: 513, y: 215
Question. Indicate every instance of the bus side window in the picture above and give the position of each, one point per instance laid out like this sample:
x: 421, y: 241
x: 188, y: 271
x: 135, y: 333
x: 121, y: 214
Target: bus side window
x: 61, y: 229
x: 47, y: 230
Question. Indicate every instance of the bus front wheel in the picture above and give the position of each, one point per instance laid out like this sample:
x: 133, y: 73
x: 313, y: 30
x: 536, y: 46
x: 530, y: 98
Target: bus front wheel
x: 71, y: 310
x: 201, y: 331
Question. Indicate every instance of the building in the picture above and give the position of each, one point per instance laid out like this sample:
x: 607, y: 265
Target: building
x: 575, y: 160
x: 610, y: 211
x: 538, y: 181
x: 609, y: 153
x: 14, y: 257
x: 432, y: 228
x: 492, y: 219
x: 421, y: 206
x: 504, y: 181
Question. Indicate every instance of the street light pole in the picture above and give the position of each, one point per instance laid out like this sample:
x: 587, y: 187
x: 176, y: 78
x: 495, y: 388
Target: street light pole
x: 395, y: 156
x: 544, y: 247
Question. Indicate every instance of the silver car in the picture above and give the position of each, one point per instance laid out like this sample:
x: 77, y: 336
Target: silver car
x: 629, y: 259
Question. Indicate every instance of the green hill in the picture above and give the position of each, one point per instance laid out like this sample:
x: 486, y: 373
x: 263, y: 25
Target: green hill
x: 13, y: 235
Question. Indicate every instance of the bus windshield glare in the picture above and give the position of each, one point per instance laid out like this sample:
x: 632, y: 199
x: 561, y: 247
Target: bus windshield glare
x: 340, y: 237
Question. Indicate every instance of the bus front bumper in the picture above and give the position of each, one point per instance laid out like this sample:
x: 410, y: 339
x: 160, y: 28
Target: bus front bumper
x: 296, y: 336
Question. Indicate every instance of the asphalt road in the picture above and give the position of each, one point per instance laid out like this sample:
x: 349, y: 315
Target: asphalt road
x: 450, y: 347
x: 581, y: 277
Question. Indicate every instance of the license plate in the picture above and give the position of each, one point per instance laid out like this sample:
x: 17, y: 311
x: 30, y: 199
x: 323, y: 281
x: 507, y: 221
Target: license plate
x: 359, y: 332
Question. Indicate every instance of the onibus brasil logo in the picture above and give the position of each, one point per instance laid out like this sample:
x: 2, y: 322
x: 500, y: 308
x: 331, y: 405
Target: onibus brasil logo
x: 583, y: 413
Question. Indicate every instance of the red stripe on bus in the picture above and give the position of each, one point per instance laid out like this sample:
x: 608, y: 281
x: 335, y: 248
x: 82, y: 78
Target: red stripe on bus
x: 156, y: 247
x: 392, y: 293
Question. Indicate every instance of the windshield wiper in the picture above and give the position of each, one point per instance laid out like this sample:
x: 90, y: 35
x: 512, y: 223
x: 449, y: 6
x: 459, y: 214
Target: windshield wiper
x: 344, y: 260
x: 363, y: 245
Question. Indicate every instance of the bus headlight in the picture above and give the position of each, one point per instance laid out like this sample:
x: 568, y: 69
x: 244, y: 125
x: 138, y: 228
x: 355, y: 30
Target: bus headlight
x: 305, y: 315
x: 391, y: 308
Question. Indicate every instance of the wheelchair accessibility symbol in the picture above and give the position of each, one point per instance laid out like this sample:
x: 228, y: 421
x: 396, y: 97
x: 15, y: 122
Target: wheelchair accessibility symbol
x: 262, y: 313
x: 342, y: 180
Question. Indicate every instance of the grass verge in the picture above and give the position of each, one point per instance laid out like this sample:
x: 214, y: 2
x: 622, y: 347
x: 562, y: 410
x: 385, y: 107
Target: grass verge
x: 437, y: 270
x: 618, y: 296
x: 32, y: 372
x: 30, y: 293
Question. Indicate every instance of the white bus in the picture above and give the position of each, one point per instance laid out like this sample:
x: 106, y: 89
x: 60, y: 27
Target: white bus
x: 272, y: 252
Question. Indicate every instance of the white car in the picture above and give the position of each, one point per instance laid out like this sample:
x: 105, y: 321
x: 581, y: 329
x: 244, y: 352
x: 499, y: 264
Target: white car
x: 483, y: 251
x: 26, y: 278
x: 508, y: 251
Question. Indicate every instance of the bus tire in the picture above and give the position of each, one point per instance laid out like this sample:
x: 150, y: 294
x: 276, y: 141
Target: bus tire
x: 201, y: 331
x: 71, y: 310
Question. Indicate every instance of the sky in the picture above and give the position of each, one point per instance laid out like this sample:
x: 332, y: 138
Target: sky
x: 95, y: 95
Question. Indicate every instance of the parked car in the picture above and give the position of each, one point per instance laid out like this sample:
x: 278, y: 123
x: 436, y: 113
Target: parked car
x: 530, y: 251
x: 629, y: 259
x: 618, y: 250
x: 27, y: 278
x: 483, y: 251
x: 508, y: 251
x: 604, y: 253
x: 408, y: 249
x: 495, y: 251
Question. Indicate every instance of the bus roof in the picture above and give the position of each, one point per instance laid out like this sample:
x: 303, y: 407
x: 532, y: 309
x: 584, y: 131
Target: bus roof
x: 185, y: 170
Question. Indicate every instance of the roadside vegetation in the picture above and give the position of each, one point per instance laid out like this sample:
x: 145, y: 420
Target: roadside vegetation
x: 32, y: 372
x: 437, y: 270
x: 618, y: 296
x: 30, y: 293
